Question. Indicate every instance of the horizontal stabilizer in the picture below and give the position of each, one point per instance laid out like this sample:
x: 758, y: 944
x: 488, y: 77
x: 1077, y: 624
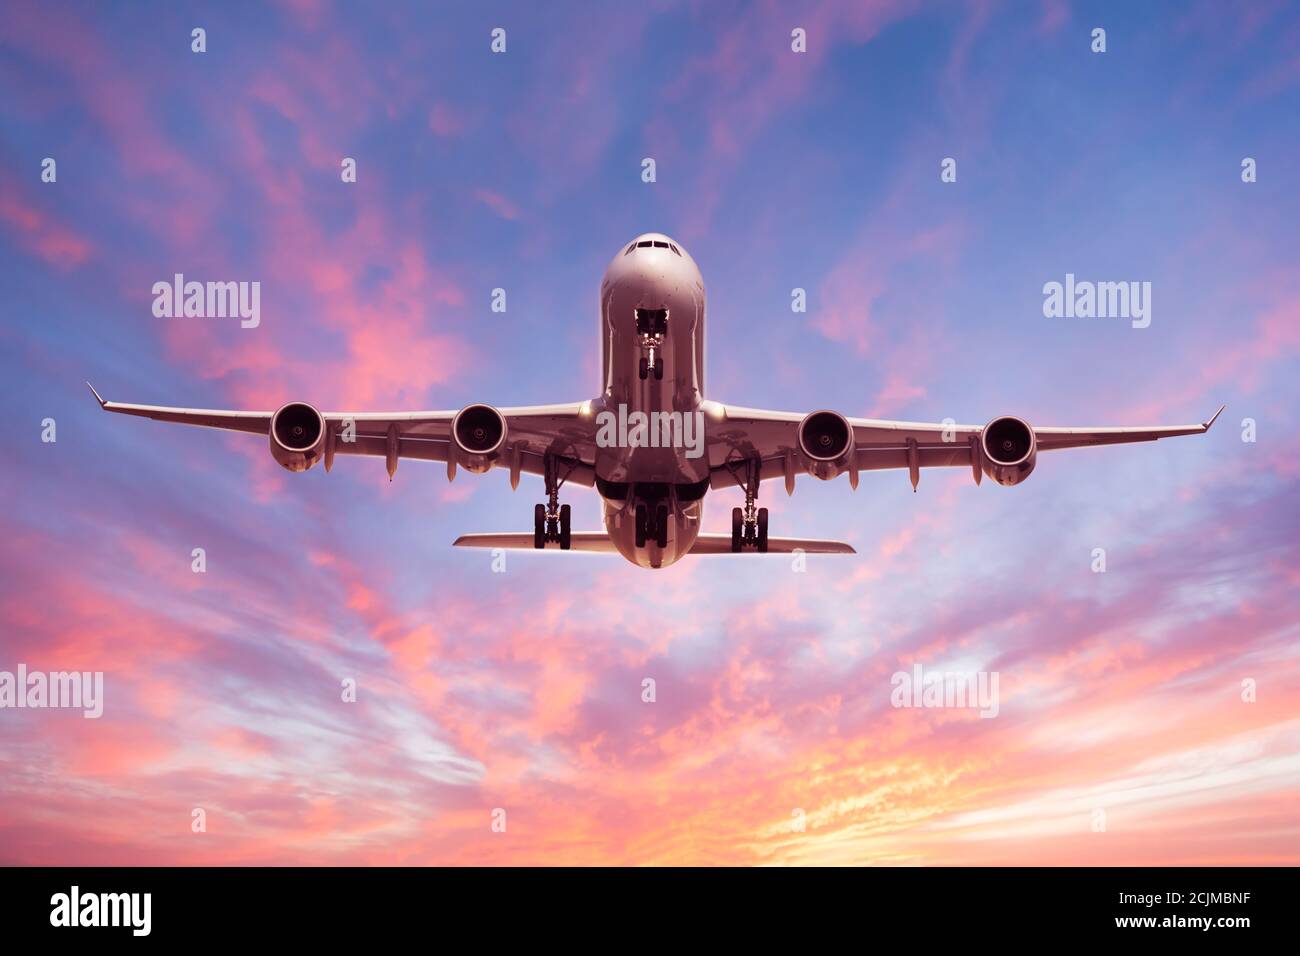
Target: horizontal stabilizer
x: 591, y: 541
x: 721, y: 544
x: 599, y: 542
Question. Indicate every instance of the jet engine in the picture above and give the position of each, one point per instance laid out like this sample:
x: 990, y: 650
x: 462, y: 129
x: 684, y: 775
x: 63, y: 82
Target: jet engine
x: 826, y: 440
x: 297, y: 436
x: 479, y: 434
x: 1010, y: 450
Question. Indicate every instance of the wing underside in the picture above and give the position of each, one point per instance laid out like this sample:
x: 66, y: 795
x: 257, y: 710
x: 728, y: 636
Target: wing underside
x: 562, y: 431
x: 739, y: 435
x: 742, y: 443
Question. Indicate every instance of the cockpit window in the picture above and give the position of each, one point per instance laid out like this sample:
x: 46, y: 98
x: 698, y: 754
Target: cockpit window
x: 652, y: 244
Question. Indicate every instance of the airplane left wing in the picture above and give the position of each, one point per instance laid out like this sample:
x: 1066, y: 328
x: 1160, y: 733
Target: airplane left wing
x: 783, y: 444
x: 566, y: 433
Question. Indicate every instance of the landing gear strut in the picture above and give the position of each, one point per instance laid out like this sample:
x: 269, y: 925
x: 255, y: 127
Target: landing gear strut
x: 551, y: 521
x: 651, y: 326
x: 749, y: 524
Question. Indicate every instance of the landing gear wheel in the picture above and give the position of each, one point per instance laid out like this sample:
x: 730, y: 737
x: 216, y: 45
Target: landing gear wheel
x: 539, y: 526
x: 641, y: 521
x: 644, y: 367
x: 565, y: 532
x: 659, y: 367
x: 762, y: 530
x: 737, y: 529
x: 661, y: 526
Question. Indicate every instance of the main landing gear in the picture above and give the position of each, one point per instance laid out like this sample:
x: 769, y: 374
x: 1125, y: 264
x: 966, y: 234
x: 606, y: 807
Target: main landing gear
x: 551, y: 521
x: 749, y: 529
x: 551, y: 525
x: 652, y: 525
x: 749, y: 524
x: 651, y: 326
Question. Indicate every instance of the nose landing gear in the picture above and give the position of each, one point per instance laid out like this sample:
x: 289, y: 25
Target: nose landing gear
x: 651, y: 326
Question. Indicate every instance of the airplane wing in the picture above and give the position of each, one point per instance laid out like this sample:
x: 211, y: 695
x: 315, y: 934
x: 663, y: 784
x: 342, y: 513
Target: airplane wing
x: 532, y: 432
x: 737, y: 435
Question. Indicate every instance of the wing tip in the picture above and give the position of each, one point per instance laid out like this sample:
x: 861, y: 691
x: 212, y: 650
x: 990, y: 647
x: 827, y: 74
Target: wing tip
x: 99, y: 398
x: 1213, y: 418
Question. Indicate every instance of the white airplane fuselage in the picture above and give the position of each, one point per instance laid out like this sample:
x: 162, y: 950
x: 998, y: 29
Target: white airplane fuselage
x: 656, y: 278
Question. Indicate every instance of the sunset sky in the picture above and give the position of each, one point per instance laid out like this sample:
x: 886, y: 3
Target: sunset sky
x: 1121, y: 693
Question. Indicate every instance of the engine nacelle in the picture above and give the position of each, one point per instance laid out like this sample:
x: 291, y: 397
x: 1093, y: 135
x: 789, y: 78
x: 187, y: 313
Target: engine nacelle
x: 297, y: 436
x: 1010, y: 450
x: 478, y: 433
x: 826, y: 441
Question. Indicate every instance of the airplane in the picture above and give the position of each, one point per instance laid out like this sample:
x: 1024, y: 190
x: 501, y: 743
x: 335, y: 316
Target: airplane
x: 651, y: 444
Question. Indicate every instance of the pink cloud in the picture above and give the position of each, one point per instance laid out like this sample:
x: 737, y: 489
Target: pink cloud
x: 446, y: 120
x: 498, y: 203
x: 38, y: 232
x: 523, y: 691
